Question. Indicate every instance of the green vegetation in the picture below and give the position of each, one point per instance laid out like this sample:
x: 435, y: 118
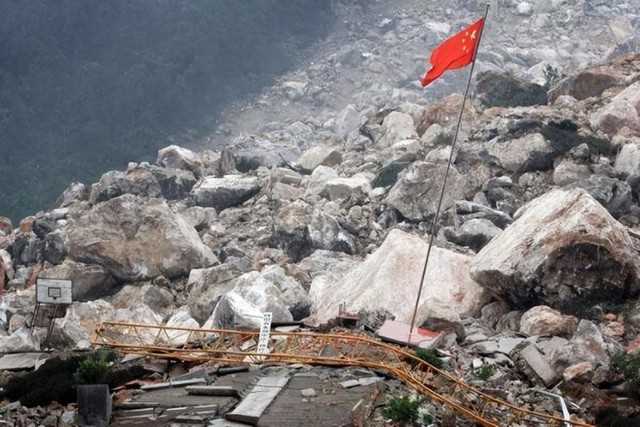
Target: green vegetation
x: 430, y: 356
x: 402, y: 410
x: 87, y: 86
x: 485, y: 372
x: 94, y: 369
x: 629, y: 366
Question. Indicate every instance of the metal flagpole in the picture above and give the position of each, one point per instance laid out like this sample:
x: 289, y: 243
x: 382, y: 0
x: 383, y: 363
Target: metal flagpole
x: 434, y: 224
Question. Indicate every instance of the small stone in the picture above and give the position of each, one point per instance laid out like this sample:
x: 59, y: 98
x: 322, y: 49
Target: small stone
x: 308, y: 392
x: 579, y: 372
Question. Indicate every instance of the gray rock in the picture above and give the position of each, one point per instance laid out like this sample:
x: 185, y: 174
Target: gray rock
x: 391, y: 276
x: 320, y: 155
x: 547, y: 256
x: 529, y: 153
x: 416, y: 193
x: 21, y: 341
x: 503, y: 90
x: 531, y: 361
x: 271, y: 290
x: 621, y: 112
x: 568, y: 172
x: 356, y: 188
x: 137, y: 239
x: 397, y: 127
x: 326, y: 233
x: 543, y: 320
x: 472, y: 210
x: 493, y: 312
x: 75, y: 192
x: 177, y: 157
x: 613, y: 194
x: 54, y: 250
x: 348, y: 121
x: 156, y: 298
x: 291, y: 231
x: 89, y: 281
x: 474, y: 233
x: 628, y: 160
x: 206, y: 286
x: 226, y: 192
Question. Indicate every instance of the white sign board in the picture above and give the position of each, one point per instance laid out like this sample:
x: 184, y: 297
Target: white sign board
x: 265, y: 332
x: 53, y: 291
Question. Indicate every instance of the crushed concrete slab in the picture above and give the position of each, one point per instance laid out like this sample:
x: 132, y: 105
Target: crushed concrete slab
x: 258, y: 400
x: 398, y: 333
x: 171, y: 384
x: 22, y: 361
x: 232, y: 370
x: 221, y: 422
x: 360, y: 382
x: 533, y: 359
x: 211, y: 390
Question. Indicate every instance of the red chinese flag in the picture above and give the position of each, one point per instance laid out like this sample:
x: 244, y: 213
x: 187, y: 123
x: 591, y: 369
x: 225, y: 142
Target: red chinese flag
x: 455, y: 52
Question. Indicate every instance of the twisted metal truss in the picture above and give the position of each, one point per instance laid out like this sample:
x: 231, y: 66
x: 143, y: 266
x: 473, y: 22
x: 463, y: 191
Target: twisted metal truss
x: 225, y: 346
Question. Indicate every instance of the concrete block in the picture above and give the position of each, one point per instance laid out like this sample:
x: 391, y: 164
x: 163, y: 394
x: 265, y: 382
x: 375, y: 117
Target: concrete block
x: 258, y: 400
x: 22, y: 361
x: 94, y: 405
x: 170, y: 384
x: 532, y: 357
x: 211, y: 390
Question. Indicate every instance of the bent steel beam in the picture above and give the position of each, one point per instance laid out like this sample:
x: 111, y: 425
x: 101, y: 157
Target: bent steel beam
x: 224, y: 346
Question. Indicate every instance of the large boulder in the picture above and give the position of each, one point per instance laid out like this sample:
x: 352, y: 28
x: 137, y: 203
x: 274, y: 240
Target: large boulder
x: 529, y: 153
x: 397, y: 127
x: 143, y: 180
x: 543, y: 320
x: 356, y: 187
x: 504, y: 90
x: 291, y: 231
x: 564, y: 250
x: 319, y: 155
x: 137, y: 239
x: 234, y: 312
x: 225, y: 192
x: 416, y: 193
x: 622, y: 111
x: 158, y: 298
x: 180, y: 319
x: 90, y: 281
x: 206, y: 286
x: 389, y: 279
x: 271, y: 290
x: 177, y: 157
x: 628, y: 159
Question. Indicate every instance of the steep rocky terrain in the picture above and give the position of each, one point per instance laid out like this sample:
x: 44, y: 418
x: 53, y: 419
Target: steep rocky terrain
x: 535, y: 276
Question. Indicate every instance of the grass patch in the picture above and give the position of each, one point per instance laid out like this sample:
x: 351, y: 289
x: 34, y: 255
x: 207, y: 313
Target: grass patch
x: 485, y: 372
x: 430, y: 356
x: 402, y: 410
x: 629, y: 366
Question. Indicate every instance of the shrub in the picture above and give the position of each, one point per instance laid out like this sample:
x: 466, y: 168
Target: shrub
x: 485, y: 372
x: 629, y: 366
x: 430, y: 356
x: 94, y: 369
x: 402, y: 410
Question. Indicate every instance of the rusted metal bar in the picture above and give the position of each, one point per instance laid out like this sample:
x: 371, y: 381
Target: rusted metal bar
x: 351, y: 350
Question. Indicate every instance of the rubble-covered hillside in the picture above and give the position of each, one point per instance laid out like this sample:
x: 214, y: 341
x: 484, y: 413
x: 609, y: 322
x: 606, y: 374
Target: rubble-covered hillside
x: 535, y: 272
x: 322, y: 199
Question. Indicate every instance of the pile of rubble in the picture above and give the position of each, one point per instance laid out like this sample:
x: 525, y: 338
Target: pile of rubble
x: 535, y: 272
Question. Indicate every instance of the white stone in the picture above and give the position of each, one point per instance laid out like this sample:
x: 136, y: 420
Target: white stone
x: 389, y: 279
x: 628, y: 159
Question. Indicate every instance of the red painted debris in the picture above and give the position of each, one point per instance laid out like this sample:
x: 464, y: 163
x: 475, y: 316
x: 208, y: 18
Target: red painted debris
x: 398, y: 333
x: 633, y: 345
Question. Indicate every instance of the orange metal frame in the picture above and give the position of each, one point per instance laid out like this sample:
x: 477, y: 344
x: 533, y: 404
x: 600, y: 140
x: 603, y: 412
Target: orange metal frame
x: 223, y: 346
